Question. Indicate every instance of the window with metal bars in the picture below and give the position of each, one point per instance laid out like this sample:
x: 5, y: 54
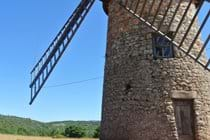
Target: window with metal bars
x: 162, y: 48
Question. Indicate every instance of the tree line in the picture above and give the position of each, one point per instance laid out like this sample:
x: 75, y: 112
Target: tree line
x: 28, y: 127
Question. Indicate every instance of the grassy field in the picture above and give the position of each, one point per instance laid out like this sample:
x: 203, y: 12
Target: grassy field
x: 13, y: 137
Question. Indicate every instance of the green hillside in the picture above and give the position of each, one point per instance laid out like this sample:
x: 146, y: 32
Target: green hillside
x: 24, y: 126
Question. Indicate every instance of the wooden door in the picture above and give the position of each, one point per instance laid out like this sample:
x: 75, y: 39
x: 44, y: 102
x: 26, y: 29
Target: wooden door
x: 184, y: 115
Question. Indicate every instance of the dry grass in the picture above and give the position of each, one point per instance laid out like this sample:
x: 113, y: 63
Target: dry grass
x: 14, y: 137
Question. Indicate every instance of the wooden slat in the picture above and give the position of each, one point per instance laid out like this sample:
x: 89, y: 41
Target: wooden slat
x: 184, y: 48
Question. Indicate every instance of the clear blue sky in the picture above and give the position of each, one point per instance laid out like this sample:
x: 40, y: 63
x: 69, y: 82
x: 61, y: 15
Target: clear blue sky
x: 27, y: 28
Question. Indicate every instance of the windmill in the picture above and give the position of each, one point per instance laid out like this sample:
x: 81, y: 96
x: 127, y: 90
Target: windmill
x: 156, y: 73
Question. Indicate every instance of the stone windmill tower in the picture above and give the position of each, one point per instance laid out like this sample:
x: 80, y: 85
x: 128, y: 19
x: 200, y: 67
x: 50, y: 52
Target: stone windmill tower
x: 152, y: 90
x: 157, y: 80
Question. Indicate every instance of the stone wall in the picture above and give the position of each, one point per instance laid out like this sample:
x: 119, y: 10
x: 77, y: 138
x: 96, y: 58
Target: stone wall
x: 139, y: 91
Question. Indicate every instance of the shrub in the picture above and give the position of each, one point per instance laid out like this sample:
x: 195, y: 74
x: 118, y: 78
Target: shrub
x: 74, y: 132
x: 22, y: 131
x: 54, y: 133
x: 97, y: 132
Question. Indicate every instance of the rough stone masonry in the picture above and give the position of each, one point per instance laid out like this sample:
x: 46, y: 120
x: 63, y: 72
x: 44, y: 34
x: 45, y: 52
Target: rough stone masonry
x: 152, y: 99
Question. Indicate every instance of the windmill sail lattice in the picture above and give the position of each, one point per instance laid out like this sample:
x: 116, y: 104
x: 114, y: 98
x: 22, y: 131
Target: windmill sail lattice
x: 137, y: 10
x: 50, y: 58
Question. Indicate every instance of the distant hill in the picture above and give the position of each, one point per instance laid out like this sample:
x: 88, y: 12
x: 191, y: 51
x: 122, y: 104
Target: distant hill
x: 25, y: 126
